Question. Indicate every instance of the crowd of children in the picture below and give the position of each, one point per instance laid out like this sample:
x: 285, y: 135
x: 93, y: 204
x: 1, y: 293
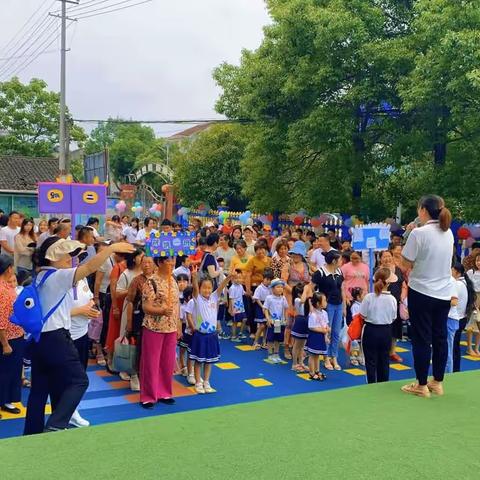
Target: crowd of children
x: 291, y: 294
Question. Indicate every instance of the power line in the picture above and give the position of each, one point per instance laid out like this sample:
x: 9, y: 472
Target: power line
x: 173, y: 122
x: 114, y: 10
x: 23, y: 56
x: 10, y: 45
x: 38, y: 52
x: 47, y: 23
x: 88, y: 5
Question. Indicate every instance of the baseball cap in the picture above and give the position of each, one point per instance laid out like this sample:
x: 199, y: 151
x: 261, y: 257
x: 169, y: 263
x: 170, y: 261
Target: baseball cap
x: 60, y: 248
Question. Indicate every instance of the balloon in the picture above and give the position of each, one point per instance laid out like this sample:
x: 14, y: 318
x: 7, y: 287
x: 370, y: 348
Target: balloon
x: 315, y: 222
x: 248, y: 214
x: 323, y: 218
x: 463, y: 233
x: 349, y: 222
x: 159, y: 208
x: 180, y: 212
x: 250, y: 222
x: 475, y: 231
x: 269, y: 218
x: 469, y: 242
x: 298, y: 220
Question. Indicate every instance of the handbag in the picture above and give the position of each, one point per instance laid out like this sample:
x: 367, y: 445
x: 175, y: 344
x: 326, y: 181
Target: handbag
x: 355, y: 327
x: 95, y: 328
x: 125, y: 355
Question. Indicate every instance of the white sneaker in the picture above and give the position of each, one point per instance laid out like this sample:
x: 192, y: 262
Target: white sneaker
x: 271, y: 358
x: 199, y: 388
x: 134, y: 383
x: 124, y: 376
x: 208, y: 388
x: 277, y: 359
x: 78, y: 421
x: 191, y: 379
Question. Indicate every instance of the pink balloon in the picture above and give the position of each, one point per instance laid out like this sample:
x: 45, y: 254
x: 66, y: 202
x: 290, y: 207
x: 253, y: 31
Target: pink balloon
x: 469, y: 242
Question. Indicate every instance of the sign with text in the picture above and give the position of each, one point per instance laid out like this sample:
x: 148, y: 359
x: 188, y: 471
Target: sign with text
x: 72, y: 198
x: 170, y: 244
x: 374, y: 236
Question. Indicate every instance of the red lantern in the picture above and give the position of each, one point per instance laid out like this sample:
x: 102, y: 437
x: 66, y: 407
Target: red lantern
x: 315, y: 222
x: 298, y: 220
x: 463, y: 233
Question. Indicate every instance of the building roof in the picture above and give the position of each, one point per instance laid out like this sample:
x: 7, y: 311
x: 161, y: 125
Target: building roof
x: 190, y: 132
x: 22, y: 173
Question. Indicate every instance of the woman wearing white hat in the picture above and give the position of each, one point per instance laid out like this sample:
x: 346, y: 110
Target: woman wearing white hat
x: 56, y: 369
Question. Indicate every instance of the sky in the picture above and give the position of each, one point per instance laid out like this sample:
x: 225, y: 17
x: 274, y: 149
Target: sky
x: 150, y: 62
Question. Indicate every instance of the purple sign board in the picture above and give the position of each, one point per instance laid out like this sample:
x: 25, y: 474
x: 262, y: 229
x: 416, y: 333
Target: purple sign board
x: 54, y: 198
x: 89, y: 199
x: 72, y: 198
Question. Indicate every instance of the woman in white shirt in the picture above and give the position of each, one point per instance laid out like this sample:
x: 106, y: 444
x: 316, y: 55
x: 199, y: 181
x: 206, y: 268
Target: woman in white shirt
x: 379, y: 310
x: 428, y: 252
x: 24, y: 248
x: 56, y: 367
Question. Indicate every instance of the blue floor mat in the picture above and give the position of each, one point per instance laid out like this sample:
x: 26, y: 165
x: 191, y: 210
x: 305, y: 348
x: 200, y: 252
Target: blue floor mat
x: 245, y: 377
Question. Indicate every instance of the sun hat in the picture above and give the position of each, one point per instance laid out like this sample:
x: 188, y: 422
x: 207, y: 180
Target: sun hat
x: 60, y: 248
x: 276, y: 282
x: 298, y: 249
x: 267, y: 228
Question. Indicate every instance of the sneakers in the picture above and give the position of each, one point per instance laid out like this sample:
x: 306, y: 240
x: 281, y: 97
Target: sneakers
x: 184, y: 372
x: 191, y: 379
x: 199, y: 388
x: 271, y: 359
x: 134, y: 383
x: 236, y: 339
x: 207, y: 387
x: 124, y: 376
x: 78, y: 421
x: 242, y: 335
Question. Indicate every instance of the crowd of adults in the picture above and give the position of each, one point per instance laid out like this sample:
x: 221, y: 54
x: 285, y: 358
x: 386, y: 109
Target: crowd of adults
x: 113, y: 291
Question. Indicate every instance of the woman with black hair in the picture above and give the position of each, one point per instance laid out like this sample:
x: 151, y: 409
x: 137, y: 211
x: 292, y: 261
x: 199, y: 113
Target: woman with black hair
x: 161, y: 330
x: 114, y: 229
x: 12, y: 343
x: 25, y: 243
x: 428, y: 252
x: 329, y: 280
x: 56, y: 368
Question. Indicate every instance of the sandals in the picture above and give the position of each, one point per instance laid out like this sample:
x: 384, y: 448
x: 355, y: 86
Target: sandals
x: 287, y: 354
x: 328, y: 364
x: 416, y: 389
x: 257, y: 346
x: 318, y: 376
x: 101, y: 362
x: 26, y: 383
x: 436, y: 388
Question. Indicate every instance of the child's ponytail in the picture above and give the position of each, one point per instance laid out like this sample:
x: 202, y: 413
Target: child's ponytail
x: 381, y: 276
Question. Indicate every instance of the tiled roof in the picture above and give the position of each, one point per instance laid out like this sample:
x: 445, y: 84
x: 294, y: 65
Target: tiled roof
x: 190, y: 132
x: 23, y: 173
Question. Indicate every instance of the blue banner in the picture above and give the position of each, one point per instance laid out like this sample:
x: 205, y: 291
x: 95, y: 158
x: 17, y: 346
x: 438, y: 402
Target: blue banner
x: 170, y: 244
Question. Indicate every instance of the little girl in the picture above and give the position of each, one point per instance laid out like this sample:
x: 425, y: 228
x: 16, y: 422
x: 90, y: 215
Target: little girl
x: 317, y: 329
x: 236, y: 305
x: 261, y: 293
x: 472, y: 328
x: 356, y: 356
x: 379, y: 310
x: 204, y: 348
x: 300, y: 293
x: 186, y: 367
x: 275, y: 311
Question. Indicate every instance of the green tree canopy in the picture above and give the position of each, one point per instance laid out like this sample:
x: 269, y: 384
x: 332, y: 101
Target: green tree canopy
x: 207, y: 169
x: 358, y: 104
x: 29, y: 119
x: 126, y: 143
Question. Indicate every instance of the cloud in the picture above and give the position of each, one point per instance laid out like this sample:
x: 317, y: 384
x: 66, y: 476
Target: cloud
x: 153, y: 61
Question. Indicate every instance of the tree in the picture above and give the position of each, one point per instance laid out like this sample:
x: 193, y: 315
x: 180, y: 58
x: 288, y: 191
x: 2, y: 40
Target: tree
x: 208, y: 168
x: 29, y: 116
x: 125, y: 141
x: 347, y: 95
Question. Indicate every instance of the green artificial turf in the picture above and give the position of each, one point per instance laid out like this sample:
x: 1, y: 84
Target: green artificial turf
x: 367, y: 432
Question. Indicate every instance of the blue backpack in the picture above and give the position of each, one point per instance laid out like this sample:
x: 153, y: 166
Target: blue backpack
x: 27, y: 311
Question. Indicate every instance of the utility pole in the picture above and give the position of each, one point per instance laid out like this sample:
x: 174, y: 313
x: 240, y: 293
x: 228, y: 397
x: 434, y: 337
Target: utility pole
x: 62, y: 160
x: 62, y: 164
